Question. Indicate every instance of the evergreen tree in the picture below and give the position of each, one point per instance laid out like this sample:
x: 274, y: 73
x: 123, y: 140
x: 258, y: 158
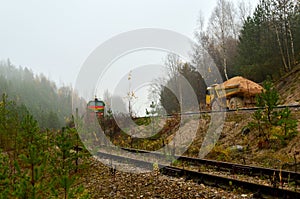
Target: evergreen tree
x: 271, y: 122
x: 267, y: 43
x: 32, y: 164
x: 4, y: 176
x: 168, y: 99
x: 269, y: 100
x: 65, y: 164
x: 49, y: 105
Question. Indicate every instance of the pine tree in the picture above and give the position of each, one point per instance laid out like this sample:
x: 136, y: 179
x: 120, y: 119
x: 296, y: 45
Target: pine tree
x: 269, y: 99
x: 288, y: 126
x: 65, y: 165
x: 4, y: 176
x: 271, y: 122
x: 32, y: 164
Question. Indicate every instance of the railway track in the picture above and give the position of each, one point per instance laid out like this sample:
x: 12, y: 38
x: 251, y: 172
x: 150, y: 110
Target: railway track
x: 278, y: 179
x: 208, y: 179
x: 240, y: 110
x: 286, y: 176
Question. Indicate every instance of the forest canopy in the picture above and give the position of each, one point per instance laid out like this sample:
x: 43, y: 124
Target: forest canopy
x: 51, y: 106
x: 264, y: 42
x: 254, y: 44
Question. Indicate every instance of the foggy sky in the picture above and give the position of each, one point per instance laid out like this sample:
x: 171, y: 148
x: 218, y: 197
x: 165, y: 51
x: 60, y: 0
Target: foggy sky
x: 55, y: 37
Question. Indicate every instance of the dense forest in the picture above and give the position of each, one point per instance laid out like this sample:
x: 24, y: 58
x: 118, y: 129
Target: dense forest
x: 254, y: 44
x: 40, y: 152
x: 269, y: 42
x: 37, y: 163
x: 39, y: 158
x: 50, y: 106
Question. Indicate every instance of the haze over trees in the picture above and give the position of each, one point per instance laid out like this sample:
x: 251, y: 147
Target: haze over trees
x: 269, y: 42
x: 256, y: 45
x: 38, y: 160
x: 171, y: 95
x: 238, y: 41
x: 50, y: 106
x: 37, y: 163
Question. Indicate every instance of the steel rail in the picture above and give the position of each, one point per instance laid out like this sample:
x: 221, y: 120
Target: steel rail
x: 234, y: 168
x: 208, y: 179
x: 235, y: 110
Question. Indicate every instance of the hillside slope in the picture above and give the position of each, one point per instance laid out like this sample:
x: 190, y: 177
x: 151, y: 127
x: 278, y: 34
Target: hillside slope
x: 270, y: 155
x: 289, y: 87
x: 232, y: 135
x: 239, y: 142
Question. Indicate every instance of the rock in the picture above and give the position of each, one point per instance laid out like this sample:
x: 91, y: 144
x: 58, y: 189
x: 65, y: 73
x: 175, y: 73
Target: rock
x: 160, y: 186
x: 245, y: 131
x: 237, y: 148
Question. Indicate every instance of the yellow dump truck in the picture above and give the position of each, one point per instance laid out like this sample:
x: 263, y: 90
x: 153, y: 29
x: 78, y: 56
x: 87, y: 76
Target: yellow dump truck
x: 237, y: 92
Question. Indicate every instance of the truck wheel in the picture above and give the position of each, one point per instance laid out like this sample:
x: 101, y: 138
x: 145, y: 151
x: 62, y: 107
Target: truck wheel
x: 235, y: 103
x: 218, y: 105
x: 215, y: 106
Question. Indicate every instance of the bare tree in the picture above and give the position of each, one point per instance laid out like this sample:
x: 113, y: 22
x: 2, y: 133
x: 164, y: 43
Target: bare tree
x: 222, y: 25
x: 199, y: 48
x: 130, y: 96
x: 244, y: 10
x: 174, y: 65
x: 204, y: 56
x: 155, y: 90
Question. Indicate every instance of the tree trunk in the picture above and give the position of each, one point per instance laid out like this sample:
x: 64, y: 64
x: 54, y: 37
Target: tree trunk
x: 292, y: 44
x: 281, y: 50
x: 287, y: 49
x: 225, y: 68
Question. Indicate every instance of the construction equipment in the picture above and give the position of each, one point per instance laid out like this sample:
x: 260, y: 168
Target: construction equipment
x: 237, y: 92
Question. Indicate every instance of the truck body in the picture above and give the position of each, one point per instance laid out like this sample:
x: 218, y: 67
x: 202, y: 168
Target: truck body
x: 237, y: 92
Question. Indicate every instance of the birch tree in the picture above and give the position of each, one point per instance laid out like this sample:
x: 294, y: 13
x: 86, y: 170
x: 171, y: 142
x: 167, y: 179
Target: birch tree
x: 222, y: 25
x: 282, y: 12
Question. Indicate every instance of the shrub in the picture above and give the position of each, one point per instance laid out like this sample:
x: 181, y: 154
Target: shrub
x: 270, y: 122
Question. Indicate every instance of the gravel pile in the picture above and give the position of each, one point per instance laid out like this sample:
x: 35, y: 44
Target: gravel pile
x: 103, y: 182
